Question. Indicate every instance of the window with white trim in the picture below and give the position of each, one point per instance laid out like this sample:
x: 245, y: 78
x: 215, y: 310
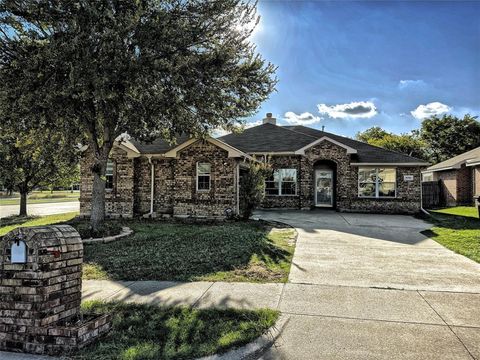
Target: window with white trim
x: 282, y: 182
x: 109, y: 175
x: 377, y: 182
x: 203, y: 176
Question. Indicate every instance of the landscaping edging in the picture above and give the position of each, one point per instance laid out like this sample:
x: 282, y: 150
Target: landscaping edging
x: 256, y: 348
x: 126, y: 231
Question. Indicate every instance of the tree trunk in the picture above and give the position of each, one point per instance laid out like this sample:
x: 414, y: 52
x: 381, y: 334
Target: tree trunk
x: 98, y: 194
x: 23, y: 203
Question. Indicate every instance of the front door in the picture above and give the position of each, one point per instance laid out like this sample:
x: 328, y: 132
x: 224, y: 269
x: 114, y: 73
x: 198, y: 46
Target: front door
x: 324, y: 188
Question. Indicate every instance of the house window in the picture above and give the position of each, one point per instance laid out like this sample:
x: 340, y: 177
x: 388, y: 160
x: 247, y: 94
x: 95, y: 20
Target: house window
x: 427, y: 176
x: 109, y: 175
x: 282, y: 182
x: 377, y: 182
x: 203, y: 176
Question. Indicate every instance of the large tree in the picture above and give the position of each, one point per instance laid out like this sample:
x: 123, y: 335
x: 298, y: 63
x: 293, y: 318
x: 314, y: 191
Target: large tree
x: 448, y: 136
x: 410, y: 144
x: 31, y: 158
x: 151, y: 68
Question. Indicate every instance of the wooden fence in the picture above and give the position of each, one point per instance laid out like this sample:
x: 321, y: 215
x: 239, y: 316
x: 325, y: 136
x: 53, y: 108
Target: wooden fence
x: 431, y: 194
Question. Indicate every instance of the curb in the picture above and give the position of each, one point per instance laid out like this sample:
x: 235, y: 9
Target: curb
x: 126, y: 231
x: 257, y: 347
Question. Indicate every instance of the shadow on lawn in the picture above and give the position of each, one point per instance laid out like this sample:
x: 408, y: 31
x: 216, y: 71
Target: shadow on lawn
x: 452, y: 222
x: 186, y: 252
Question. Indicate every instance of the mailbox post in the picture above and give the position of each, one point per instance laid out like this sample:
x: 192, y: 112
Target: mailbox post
x: 40, y: 292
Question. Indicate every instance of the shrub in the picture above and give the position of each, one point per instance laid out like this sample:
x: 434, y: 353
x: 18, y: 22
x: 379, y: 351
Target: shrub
x: 252, y: 187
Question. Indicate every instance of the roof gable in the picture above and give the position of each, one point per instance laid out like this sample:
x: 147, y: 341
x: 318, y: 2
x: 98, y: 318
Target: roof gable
x: 468, y: 158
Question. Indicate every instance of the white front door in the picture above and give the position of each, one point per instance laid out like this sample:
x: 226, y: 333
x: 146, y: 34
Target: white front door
x: 324, y: 188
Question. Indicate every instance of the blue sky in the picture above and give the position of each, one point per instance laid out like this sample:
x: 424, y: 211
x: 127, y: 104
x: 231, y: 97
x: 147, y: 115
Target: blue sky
x: 352, y: 65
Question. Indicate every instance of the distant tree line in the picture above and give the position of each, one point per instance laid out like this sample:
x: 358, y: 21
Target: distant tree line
x: 438, y: 139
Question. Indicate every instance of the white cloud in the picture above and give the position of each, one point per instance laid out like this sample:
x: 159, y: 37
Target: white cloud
x: 433, y: 108
x: 403, y: 84
x: 361, y: 109
x: 252, y: 124
x: 305, y: 118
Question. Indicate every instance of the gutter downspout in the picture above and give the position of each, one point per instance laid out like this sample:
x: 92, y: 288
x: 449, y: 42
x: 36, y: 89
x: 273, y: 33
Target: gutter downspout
x: 152, y: 184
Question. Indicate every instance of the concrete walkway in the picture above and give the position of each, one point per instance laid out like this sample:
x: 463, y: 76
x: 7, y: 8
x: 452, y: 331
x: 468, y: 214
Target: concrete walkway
x: 41, y: 209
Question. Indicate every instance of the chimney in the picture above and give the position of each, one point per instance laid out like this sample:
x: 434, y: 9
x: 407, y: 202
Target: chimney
x: 270, y: 119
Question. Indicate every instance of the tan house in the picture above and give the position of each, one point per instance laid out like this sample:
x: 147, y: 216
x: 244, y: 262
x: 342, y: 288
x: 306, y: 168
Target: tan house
x: 459, y: 178
x: 312, y: 168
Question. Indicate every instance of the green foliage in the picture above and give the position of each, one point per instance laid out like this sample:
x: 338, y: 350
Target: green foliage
x: 409, y: 144
x: 252, y: 187
x: 151, y: 332
x: 30, y: 158
x: 98, y: 69
x: 448, y: 136
x: 236, y: 251
x: 458, y: 229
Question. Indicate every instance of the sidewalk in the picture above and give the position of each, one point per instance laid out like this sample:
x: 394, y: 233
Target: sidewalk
x: 201, y: 294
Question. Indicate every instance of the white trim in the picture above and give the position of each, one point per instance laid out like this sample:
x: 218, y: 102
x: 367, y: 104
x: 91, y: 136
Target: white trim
x: 389, y: 164
x: 453, y: 167
x: 209, y: 177
x: 316, y: 192
x: 349, y: 149
x: 472, y: 163
x: 274, y: 153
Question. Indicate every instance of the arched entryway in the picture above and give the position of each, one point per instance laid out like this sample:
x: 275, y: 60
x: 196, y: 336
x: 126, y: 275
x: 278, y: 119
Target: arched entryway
x: 325, y: 175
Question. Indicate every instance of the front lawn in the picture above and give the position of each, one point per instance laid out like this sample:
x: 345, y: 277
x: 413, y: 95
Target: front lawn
x: 12, y: 222
x: 152, y: 332
x: 457, y: 229
x: 232, y: 251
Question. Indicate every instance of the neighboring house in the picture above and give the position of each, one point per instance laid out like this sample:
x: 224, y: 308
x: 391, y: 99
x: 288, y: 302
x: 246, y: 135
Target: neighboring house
x: 201, y: 177
x: 459, y: 178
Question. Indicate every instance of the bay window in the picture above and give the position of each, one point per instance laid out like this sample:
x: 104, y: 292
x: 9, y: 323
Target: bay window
x: 377, y: 182
x: 282, y: 182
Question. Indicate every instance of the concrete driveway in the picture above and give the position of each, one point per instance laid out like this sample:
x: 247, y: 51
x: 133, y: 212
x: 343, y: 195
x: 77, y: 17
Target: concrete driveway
x: 373, y: 287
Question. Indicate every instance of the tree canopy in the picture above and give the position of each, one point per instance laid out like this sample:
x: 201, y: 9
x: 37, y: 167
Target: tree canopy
x: 410, y: 144
x: 448, y: 136
x: 33, y: 158
x: 98, y: 69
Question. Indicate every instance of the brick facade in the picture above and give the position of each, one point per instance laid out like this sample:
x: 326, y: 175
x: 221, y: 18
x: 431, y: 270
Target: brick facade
x: 458, y: 186
x: 119, y: 201
x: 346, y: 198
x: 175, y: 190
x: 40, y: 292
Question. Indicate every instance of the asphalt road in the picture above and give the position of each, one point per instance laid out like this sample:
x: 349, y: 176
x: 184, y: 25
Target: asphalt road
x: 41, y: 209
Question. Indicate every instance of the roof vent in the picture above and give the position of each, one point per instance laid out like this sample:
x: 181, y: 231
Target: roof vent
x: 270, y: 119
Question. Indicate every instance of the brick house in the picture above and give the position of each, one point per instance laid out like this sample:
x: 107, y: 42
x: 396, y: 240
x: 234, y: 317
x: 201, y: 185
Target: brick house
x: 459, y: 178
x: 200, y: 178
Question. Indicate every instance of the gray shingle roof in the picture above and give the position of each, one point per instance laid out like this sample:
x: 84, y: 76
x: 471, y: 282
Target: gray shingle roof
x: 272, y: 138
x: 472, y: 155
x: 158, y: 146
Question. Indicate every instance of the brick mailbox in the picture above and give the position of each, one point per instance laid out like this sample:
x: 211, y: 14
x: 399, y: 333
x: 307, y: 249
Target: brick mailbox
x: 40, y: 292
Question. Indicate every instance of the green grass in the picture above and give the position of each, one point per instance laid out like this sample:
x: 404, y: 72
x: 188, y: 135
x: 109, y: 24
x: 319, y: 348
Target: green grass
x: 41, y: 197
x: 151, y: 332
x: 458, y: 229
x: 239, y: 251
x: 10, y: 223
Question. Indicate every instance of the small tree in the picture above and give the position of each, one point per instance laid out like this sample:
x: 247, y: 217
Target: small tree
x: 252, y: 187
x: 32, y: 158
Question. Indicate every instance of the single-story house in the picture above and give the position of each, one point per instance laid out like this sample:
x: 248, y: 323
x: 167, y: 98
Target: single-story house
x: 459, y: 178
x: 200, y: 177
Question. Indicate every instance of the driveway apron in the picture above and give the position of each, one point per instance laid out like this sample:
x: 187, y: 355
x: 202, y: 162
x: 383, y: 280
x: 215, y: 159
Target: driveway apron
x: 366, y: 286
